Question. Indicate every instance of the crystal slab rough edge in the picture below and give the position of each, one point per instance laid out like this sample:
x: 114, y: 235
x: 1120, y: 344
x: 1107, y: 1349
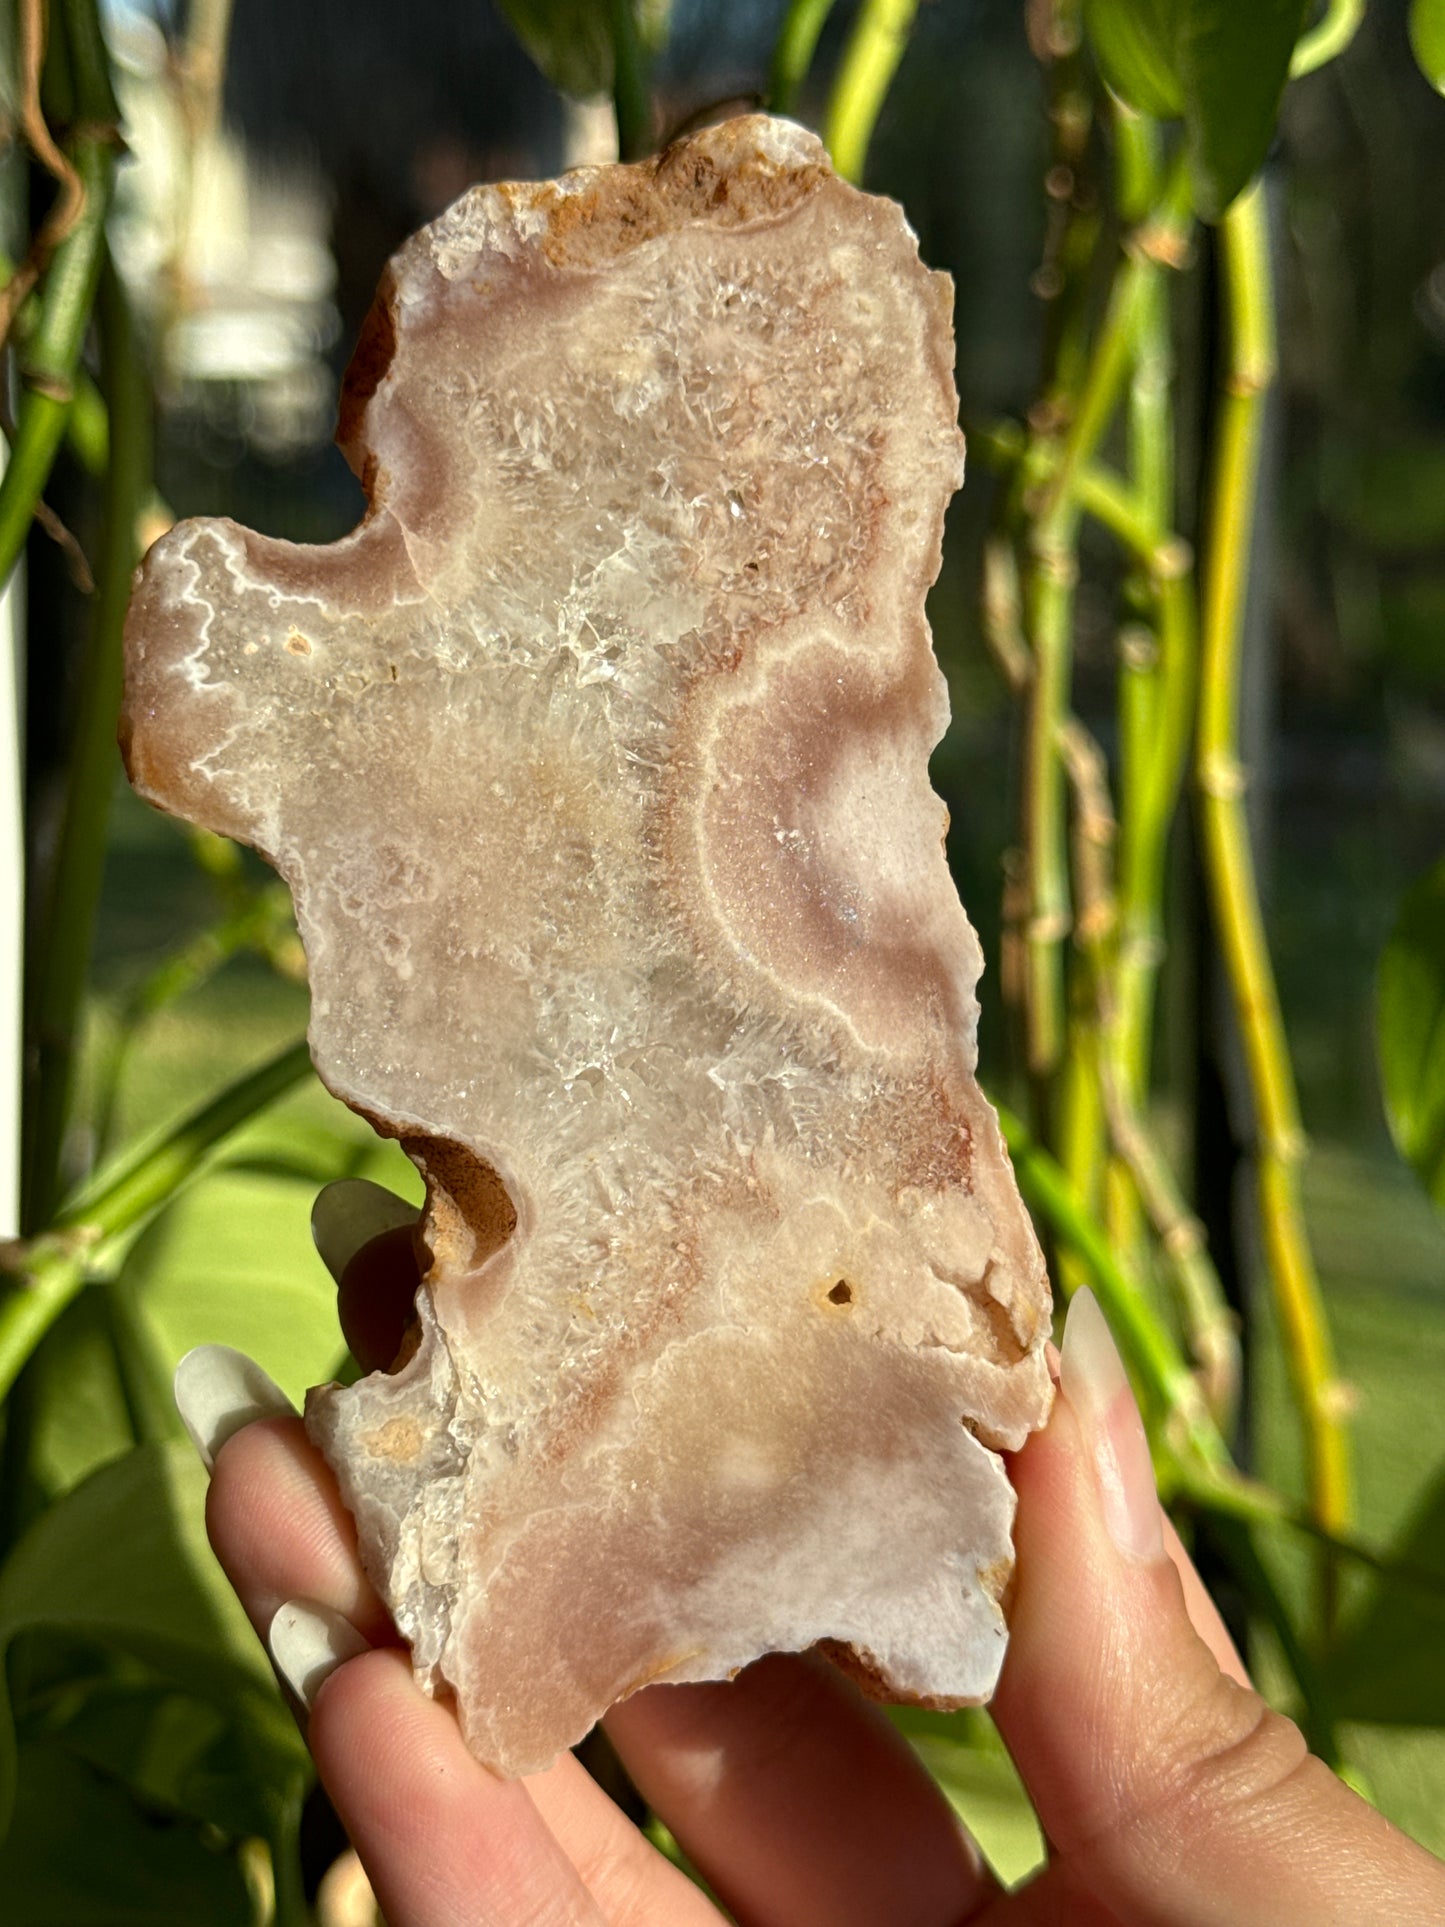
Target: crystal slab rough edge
x: 596, y: 759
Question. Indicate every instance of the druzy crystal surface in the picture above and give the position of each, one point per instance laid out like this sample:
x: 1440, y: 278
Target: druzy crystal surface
x: 596, y: 758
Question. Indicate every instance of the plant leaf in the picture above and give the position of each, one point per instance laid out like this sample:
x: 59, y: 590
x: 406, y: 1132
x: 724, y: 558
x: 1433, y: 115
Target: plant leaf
x: 82, y: 1849
x: 122, y: 1564
x: 1427, y: 37
x: 76, y: 1418
x: 1236, y: 61
x: 1134, y: 44
x: 570, y: 40
x: 1219, y: 65
x: 1390, y: 1666
x: 1410, y: 1030
x: 967, y: 1758
x: 174, y: 1753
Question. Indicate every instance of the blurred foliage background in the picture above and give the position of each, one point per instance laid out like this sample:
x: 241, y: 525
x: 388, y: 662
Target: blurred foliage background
x: 195, y: 204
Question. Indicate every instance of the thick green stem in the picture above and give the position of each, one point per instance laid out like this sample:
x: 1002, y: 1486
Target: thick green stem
x: 631, y: 83
x: 63, y: 928
x: 870, y: 60
x: 1234, y: 895
x: 50, y: 1269
x: 793, y: 52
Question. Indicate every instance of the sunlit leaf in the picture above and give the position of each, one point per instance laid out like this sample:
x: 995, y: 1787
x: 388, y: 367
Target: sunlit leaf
x: 965, y: 1755
x: 1410, y: 1027
x: 1427, y: 37
x: 1218, y: 65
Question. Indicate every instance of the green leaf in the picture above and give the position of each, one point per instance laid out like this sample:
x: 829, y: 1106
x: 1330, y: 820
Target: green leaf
x: 1134, y: 43
x: 1390, y: 1667
x: 1410, y: 1030
x: 122, y: 1564
x: 174, y: 1752
x: 83, y: 1850
x: 73, y: 1403
x: 1427, y: 37
x: 966, y: 1756
x: 570, y: 40
x: 1217, y: 64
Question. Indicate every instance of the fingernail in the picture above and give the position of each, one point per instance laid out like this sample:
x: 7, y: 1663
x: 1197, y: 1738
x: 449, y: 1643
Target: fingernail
x: 1093, y: 1380
x: 218, y: 1390
x: 308, y: 1642
x: 349, y: 1214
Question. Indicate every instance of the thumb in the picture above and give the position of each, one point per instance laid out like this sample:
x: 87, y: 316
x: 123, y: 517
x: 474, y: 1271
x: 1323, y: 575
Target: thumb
x: 1169, y: 1792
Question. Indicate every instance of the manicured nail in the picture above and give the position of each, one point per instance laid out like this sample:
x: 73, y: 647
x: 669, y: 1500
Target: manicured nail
x: 308, y: 1642
x: 1092, y: 1379
x: 349, y: 1214
x: 218, y: 1390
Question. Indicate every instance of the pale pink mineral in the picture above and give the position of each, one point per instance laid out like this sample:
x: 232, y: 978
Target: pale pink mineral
x: 596, y: 758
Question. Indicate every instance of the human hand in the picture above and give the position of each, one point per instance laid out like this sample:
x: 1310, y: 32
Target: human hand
x: 1167, y: 1790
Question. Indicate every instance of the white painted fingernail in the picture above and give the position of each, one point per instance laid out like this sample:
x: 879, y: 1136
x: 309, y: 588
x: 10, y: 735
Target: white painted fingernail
x: 349, y: 1214
x: 308, y: 1642
x: 1093, y: 1380
x: 218, y: 1390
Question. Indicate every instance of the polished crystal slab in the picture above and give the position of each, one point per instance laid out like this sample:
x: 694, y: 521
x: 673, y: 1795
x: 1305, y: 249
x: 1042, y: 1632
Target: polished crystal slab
x: 596, y: 758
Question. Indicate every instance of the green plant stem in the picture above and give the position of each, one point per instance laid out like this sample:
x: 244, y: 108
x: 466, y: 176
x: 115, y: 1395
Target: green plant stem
x: 870, y: 60
x: 1092, y: 1064
x: 1334, y: 31
x: 1049, y: 604
x: 259, y: 921
x: 60, y: 954
x: 1153, y: 733
x: 48, y: 361
x: 1230, y: 865
x: 1195, y: 1463
x: 631, y: 83
x: 1170, y: 1390
x: 52, y: 1267
x: 1226, y: 1493
x: 793, y: 51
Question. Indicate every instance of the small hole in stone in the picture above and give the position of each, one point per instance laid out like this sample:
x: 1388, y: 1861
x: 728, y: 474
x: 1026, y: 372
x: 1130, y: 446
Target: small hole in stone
x: 841, y: 1294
